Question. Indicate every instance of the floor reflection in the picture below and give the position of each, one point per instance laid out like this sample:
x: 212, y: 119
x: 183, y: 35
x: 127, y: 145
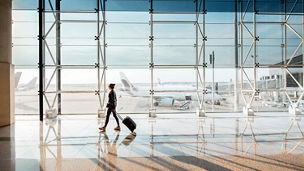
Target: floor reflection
x: 107, y: 156
x: 107, y: 149
x: 162, y: 143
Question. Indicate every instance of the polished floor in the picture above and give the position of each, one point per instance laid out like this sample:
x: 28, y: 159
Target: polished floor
x: 268, y: 141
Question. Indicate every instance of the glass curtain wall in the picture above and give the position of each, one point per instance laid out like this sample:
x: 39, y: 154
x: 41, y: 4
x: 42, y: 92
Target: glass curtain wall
x: 25, y: 58
x: 162, y: 57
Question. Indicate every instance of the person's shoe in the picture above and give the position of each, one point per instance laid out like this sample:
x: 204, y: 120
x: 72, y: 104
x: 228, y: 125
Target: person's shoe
x: 102, y: 129
x: 117, y: 128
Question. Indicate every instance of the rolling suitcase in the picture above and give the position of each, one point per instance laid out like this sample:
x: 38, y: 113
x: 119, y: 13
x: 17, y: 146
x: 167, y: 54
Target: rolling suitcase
x: 128, y: 122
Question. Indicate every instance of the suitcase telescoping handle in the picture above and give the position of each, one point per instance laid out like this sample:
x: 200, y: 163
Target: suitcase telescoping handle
x: 119, y: 116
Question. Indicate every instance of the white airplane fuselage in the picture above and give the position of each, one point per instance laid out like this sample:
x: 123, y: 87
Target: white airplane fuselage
x: 144, y: 91
x: 170, y: 93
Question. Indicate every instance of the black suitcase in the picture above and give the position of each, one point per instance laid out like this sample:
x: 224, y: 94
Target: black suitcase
x: 128, y: 122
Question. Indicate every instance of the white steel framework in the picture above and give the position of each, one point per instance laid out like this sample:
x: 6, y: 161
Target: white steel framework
x: 200, y: 57
x: 100, y: 65
x: 254, y: 90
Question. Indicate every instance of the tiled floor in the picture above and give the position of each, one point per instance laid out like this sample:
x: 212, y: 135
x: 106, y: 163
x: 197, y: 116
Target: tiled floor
x: 268, y: 141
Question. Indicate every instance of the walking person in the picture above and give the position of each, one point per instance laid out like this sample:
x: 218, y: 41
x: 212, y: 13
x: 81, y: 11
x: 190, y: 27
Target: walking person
x: 111, y: 105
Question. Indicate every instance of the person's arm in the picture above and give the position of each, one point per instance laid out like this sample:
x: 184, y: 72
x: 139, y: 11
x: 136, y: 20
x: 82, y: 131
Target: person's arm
x: 114, y: 99
x: 111, y: 98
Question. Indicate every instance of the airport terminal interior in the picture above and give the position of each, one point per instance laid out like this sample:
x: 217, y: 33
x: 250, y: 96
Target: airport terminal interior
x: 209, y: 84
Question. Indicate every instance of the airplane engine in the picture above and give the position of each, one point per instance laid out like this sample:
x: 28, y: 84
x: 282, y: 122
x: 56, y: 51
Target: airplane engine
x: 164, y: 102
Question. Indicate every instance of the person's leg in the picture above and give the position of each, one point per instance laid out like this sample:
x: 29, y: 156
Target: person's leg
x: 115, y: 116
x: 107, y: 117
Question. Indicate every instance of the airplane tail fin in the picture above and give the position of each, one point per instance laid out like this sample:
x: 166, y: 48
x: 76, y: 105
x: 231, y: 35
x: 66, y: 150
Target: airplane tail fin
x: 31, y: 84
x: 127, y: 85
x: 17, y: 78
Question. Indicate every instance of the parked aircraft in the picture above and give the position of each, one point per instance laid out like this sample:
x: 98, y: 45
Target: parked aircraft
x: 168, y: 98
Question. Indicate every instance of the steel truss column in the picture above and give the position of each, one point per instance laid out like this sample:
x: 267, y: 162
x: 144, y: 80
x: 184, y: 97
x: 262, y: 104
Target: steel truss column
x: 101, y: 57
x: 196, y: 50
x: 255, y: 63
x: 294, y: 106
x: 200, y: 80
x: 152, y: 110
x: 104, y: 53
x: 51, y: 112
x: 204, y: 54
x: 285, y: 49
x: 58, y: 55
x: 241, y: 48
x: 41, y: 56
x: 236, y: 44
x: 247, y: 110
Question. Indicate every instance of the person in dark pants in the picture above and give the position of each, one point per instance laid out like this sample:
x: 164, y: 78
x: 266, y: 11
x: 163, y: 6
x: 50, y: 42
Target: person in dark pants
x: 111, y: 105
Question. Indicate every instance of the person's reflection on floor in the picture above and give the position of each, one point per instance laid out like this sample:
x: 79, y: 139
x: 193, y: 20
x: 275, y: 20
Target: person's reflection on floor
x: 112, y: 148
x: 109, y: 152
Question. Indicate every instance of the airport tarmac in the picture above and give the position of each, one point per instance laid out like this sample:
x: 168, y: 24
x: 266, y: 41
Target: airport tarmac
x: 87, y: 103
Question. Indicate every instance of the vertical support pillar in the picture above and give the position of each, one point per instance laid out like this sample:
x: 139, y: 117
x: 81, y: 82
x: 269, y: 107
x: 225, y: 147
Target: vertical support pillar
x: 58, y: 56
x: 100, y: 111
x: 247, y: 109
x: 98, y: 47
x: 101, y: 54
x: 285, y: 51
x: 255, y: 63
x: 7, y: 70
x: 152, y: 110
x: 204, y: 50
x: 204, y: 58
x: 104, y: 53
x: 41, y: 63
x: 196, y: 50
x: 241, y: 49
x: 236, y: 59
x: 201, y: 110
x: 197, y: 54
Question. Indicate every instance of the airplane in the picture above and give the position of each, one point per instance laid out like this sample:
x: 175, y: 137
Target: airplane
x: 168, y: 99
x: 24, y: 87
